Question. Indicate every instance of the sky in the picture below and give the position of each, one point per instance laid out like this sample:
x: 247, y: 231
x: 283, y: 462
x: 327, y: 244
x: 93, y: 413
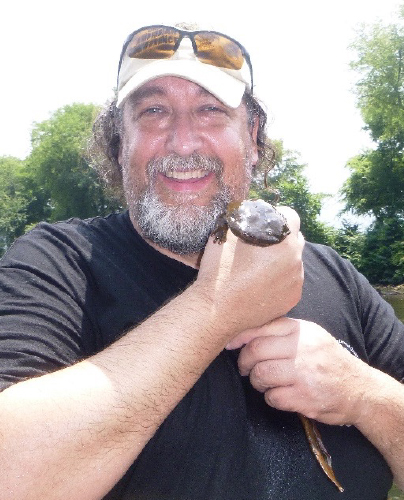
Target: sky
x: 54, y: 54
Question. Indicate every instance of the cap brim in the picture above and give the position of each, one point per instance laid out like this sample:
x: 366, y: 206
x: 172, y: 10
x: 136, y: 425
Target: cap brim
x: 217, y: 81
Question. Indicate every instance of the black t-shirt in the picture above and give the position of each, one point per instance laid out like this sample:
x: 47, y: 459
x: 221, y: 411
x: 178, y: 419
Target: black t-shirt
x: 69, y: 289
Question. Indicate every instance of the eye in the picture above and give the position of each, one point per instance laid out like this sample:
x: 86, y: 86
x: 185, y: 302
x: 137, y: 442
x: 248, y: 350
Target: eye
x: 213, y: 113
x: 152, y: 110
x: 213, y: 108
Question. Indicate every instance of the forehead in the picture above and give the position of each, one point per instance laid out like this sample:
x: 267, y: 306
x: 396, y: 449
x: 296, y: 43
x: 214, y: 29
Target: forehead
x: 170, y: 86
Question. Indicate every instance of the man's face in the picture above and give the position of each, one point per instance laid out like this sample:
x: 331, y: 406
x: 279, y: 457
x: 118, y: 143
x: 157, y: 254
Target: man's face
x: 184, y: 156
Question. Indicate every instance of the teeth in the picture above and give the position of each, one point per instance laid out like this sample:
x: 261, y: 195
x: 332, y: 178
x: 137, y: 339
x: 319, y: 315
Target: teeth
x: 181, y: 175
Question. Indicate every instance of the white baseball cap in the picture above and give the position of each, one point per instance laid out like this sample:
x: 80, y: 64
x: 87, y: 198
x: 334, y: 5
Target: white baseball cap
x: 213, y: 60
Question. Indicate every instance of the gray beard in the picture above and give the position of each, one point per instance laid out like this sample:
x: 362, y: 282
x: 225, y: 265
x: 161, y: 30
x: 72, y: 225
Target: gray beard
x: 182, y: 229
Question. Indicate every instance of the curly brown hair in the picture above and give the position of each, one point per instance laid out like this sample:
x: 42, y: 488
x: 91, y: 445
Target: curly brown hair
x: 104, y: 144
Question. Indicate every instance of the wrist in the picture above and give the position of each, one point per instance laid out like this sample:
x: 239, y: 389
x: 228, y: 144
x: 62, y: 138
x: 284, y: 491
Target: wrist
x: 215, y: 315
x: 373, y: 396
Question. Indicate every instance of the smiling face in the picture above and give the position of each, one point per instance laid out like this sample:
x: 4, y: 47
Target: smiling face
x: 184, y: 156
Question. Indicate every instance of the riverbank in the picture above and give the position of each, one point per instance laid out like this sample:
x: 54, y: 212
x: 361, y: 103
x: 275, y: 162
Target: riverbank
x: 390, y: 290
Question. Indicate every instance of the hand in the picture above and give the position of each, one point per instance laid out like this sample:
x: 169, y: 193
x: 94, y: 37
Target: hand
x: 251, y: 285
x: 300, y: 367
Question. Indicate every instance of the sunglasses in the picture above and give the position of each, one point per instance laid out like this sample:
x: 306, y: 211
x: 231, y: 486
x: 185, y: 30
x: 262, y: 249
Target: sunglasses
x: 210, y: 47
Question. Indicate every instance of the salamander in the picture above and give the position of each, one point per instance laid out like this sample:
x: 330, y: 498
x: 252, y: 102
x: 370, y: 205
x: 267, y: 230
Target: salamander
x: 259, y: 223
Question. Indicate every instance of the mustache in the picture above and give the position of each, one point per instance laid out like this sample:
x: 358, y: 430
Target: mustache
x: 175, y: 162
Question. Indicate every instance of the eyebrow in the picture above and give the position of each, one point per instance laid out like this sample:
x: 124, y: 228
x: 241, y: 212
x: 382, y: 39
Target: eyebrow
x: 144, y: 93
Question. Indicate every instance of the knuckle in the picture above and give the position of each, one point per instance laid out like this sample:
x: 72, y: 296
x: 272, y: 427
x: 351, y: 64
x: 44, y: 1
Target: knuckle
x: 272, y: 399
x: 257, y: 377
x: 242, y: 363
x: 255, y: 346
x: 276, y: 399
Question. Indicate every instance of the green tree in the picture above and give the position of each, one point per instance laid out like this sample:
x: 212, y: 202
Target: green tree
x: 288, y: 179
x: 383, y: 252
x: 349, y: 241
x: 380, y: 62
x: 376, y: 183
x: 59, y: 166
x: 13, y: 201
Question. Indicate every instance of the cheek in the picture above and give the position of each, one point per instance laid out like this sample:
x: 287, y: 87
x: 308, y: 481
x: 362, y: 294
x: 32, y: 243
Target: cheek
x: 132, y: 150
x: 133, y: 171
x: 136, y: 153
x: 238, y: 157
x: 137, y: 144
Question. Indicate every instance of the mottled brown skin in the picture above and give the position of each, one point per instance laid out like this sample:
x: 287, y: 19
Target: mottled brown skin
x: 259, y: 223
x: 254, y: 221
x: 319, y: 450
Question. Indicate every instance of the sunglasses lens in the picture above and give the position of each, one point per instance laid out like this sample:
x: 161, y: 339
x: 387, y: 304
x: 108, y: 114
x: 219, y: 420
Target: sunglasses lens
x: 218, y: 50
x: 153, y: 43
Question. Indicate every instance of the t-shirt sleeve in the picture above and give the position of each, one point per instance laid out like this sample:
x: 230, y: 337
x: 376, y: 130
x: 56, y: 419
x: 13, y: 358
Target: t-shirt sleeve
x: 43, y: 285
x: 383, y: 331
x: 371, y: 320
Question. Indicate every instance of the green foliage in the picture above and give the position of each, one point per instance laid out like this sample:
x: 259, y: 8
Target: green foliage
x: 55, y: 182
x: 349, y: 242
x: 287, y: 177
x: 383, y: 252
x: 58, y: 164
x: 13, y: 201
x: 376, y: 183
x: 380, y: 62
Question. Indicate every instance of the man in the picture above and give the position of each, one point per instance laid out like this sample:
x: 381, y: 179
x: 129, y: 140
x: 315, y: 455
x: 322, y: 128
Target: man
x: 142, y: 361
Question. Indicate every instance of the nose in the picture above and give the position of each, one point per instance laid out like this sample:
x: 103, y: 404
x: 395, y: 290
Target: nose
x: 183, y: 137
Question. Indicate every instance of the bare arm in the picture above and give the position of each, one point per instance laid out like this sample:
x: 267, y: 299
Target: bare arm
x: 380, y: 417
x: 300, y: 367
x: 74, y: 433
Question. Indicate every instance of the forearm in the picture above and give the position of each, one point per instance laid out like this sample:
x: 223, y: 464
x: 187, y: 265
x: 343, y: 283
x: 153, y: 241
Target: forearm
x: 300, y: 367
x: 73, y: 433
x: 381, y: 419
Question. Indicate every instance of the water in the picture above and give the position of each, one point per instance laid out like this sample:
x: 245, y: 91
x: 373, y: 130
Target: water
x: 397, y: 301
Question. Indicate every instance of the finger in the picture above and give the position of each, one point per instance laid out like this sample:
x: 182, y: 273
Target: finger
x: 283, y: 398
x: 292, y: 218
x: 278, y: 327
x: 269, y: 349
x: 271, y: 374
